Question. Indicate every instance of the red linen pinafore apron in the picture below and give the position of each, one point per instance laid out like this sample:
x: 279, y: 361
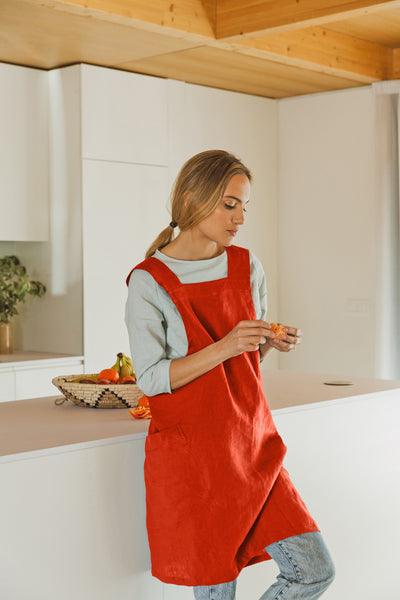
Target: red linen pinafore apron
x: 216, y: 491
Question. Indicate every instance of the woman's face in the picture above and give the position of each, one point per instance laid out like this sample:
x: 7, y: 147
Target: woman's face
x: 223, y: 223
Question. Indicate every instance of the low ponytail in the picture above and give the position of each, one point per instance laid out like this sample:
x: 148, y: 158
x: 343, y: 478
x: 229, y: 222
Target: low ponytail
x: 164, y: 238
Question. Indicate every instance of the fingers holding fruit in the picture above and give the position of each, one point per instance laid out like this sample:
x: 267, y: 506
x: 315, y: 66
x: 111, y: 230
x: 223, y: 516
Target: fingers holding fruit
x: 246, y: 336
x: 286, y: 338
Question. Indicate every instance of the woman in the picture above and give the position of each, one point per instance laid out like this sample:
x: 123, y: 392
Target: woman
x: 218, y: 498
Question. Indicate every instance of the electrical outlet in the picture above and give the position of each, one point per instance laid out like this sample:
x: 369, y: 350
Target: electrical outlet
x: 357, y: 306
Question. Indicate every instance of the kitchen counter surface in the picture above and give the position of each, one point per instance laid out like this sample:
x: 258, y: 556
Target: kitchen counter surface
x: 29, y: 428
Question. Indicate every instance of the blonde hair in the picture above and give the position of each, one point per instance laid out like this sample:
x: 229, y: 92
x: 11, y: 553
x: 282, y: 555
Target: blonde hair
x: 198, y: 190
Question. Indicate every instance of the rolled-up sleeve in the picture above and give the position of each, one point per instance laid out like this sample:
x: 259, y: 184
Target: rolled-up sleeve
x: 147, y: 334
x: 258, y: 287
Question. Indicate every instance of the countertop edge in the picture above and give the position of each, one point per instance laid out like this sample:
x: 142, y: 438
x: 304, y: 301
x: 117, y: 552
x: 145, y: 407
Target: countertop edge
x: 42, y: 452
x: 73, y: 447
x: 334, y: 402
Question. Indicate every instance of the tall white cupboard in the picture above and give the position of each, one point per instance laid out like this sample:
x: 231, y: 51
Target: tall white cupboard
x: 23, y: 154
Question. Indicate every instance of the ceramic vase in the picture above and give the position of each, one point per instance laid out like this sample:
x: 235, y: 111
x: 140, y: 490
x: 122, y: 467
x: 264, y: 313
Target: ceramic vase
x: 6, y: 338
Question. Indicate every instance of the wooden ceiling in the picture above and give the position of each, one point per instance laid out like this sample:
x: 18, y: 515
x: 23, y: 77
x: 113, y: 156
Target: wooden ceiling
x: 271, y: 48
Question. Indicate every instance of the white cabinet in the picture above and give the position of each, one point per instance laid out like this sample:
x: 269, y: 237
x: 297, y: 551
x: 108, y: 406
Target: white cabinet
x: 123, y: 212
x: 75, y: 523
x: 124, y: 116
x: 34, y: 382
x: 23, y: 154
x: 33, y: 378
x: 7, y: 385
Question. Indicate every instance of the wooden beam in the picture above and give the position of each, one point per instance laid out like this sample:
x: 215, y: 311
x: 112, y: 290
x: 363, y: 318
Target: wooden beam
x: 323, y: 51
x: 187, y: 19
x: 395, y: 73
x: 238, y: 18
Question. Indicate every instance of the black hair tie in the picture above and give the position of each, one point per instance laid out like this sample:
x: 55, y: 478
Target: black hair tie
x: 173, y: 224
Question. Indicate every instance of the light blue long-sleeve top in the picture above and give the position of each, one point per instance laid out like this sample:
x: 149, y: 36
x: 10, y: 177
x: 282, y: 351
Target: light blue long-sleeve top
x: 156, y: 331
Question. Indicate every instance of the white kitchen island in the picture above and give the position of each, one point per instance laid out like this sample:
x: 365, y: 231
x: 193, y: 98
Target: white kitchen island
x: 72, y: 500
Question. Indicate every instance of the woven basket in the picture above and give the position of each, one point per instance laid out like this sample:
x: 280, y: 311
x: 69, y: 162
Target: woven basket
x: 97, y: 396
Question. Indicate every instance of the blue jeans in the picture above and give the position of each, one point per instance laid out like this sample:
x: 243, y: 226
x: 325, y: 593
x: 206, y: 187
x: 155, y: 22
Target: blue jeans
x: 306, y: 571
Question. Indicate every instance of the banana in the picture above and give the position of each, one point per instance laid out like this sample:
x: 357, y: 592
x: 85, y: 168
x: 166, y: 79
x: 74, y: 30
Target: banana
x: 129, y: 361
x: 126, y: 366
x: 117, y: 365
x: 93, y: 377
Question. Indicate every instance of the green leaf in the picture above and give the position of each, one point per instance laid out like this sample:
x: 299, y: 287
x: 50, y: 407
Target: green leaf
x: 14, y: 285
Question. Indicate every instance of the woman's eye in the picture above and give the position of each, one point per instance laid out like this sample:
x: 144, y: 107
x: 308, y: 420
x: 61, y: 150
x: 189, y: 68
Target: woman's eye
x: 233, y: 206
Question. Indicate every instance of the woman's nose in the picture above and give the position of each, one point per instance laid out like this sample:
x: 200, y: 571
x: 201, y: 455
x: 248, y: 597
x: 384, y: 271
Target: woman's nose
x: 239, y: 216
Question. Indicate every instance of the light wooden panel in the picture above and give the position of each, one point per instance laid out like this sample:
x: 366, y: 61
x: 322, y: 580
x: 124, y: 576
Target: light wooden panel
x: 186, y: 16
x: 48, y: 38
x: 380, y: 28
x: 233, y: 71
x: 324, y: 51
x: 239, y: 18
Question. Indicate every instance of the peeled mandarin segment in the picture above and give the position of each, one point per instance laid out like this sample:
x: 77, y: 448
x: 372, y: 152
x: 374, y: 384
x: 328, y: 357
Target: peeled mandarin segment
x: 279, y: 330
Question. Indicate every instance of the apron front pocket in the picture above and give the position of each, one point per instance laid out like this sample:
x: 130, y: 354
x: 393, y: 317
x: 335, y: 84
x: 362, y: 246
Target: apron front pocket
x: 166, y: 439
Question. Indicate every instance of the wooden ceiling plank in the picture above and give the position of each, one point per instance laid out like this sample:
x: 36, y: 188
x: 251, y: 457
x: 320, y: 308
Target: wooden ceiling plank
x: 324, y: 51
x: 188, y: 19
x: 222, y: 69
x: 395, y: 73
x: 241, y: 19
x: 381, y: 28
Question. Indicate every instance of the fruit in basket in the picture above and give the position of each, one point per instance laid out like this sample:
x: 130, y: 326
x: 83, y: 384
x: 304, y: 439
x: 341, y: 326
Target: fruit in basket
x: 111, y: 375
x: 126, y: 366
x: 85, y: 379
x: 128, y: 379
x: 117, y: 366
x: 121, y: 372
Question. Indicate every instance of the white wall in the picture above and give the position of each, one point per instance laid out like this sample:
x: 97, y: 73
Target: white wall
x: 327, y: 237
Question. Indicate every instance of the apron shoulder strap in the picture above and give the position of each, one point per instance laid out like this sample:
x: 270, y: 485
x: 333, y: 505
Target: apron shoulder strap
x: 238, y: 263
x: 160, y: 272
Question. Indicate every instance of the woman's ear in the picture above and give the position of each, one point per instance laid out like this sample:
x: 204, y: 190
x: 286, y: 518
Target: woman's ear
x: 186, y: 197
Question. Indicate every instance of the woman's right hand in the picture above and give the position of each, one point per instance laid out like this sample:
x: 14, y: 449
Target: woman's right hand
x: 246, y: 336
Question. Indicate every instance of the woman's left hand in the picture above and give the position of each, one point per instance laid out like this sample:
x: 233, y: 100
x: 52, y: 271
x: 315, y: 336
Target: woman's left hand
x: 285, y: 343
x: 289, y: 341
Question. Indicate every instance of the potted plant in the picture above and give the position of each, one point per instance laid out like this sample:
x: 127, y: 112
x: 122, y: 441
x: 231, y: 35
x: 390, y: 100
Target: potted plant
x: 14, y: 285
